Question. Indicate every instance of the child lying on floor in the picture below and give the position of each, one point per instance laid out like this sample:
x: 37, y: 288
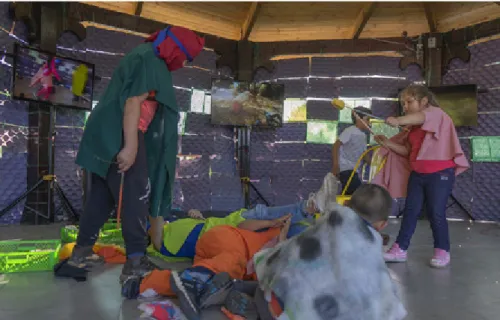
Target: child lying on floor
x: 222, y: 254
x: 333, y: 270
x: 225, y: 251
x: 179, y: 237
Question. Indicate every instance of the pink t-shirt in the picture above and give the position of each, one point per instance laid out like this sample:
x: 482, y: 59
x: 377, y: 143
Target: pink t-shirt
x: 148, y: 110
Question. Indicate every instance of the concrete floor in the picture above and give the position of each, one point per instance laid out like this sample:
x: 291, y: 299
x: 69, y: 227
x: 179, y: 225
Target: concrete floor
x: 469, y: 289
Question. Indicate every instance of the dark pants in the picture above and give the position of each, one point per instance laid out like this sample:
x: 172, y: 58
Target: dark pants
x: 435, y: 188
x: 355, y: 182
x: 262, y: 305
x: 104, y: 197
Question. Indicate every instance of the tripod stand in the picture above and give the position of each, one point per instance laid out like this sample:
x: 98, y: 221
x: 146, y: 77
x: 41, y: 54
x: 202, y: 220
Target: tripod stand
x: 53, y: 185
x: 51, y: 181
x: 244, y: 165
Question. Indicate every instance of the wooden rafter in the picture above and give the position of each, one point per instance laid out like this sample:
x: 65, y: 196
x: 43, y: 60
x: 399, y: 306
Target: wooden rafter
x: 138, y: 8
x: 430, y: 17
x: 249, y: 22
x: 362, y: 18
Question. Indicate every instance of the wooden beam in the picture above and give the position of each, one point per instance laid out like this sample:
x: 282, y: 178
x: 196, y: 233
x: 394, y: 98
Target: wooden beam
x: 362, y: 18
x: 138, y: 8
x: 430, y: 17
x: 250, y: 19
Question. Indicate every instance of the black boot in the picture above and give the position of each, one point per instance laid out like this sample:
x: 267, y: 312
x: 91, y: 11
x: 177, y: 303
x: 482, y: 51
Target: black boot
x: 215, y: 290
x: 84, y: 257
x: 131, y: 287
x: 137, y: 267
x: 241, y: 304
x: 187, y: 289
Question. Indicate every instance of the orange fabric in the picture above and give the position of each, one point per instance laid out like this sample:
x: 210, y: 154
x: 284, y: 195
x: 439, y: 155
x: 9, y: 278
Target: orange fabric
x: 228, y: 249
x: 110, y: 253
x: 148, y: 110
x: 220, y: 249
x: 231, y: 316
x: 159, y: 281
x: 275, y: 307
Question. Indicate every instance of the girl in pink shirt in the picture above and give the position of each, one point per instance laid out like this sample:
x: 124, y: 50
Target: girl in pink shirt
x: 435, y: 157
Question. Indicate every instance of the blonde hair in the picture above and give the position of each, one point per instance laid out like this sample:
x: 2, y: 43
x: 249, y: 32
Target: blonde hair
x: 419, y: 92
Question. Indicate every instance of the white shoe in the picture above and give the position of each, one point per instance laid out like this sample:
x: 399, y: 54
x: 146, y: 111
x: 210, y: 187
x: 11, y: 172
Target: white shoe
x: 311, y: 207
x: 327, y: 194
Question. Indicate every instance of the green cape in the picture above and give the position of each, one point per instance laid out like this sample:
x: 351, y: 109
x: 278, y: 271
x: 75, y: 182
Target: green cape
x: 140, y: 71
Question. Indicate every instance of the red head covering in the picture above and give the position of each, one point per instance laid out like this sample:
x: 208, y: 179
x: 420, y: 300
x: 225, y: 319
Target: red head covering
x: 169, y: 50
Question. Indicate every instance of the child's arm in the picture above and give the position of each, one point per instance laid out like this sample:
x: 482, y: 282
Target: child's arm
x: 335, y: 158
x: 254, y: 225
x: 414, y: 119
x: 402, y: 150
x: 131, y: 115
x: 156, y: 231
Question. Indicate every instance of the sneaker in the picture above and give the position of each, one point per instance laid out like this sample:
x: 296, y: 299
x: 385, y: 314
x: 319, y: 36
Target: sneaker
x: 131, y: 287
x: 326, y: 196
x: 215, y: 290
x: 395, y: 254
x: 241, y: 304
x: 441, y: 259
x: 138, y: 267
x: 84, y: 257
x: 311, y: 204
x: 186, y: 291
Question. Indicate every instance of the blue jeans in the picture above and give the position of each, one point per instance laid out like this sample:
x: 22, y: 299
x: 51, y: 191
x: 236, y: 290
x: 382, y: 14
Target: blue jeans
x: 435, y: 189
x: 262, y: 212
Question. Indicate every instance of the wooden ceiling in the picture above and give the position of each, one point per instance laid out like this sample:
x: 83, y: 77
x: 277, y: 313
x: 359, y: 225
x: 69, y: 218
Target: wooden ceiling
x: 294, y: 21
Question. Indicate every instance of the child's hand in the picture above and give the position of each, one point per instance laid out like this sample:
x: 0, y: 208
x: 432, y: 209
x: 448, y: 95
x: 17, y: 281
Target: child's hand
x: 336, y: 170
x: 280, y: 222
x: 195, y: 214
x: 392, y: 121
x: 380, y: 139
x: 284, y: 230
x: 126, y: 158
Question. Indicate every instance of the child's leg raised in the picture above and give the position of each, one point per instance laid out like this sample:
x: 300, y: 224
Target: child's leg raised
x: 298, y: 211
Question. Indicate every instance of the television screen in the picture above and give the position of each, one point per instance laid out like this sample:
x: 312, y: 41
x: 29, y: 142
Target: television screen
x: 247, y: 104
x: 459, y: 102
x: 41, y: 77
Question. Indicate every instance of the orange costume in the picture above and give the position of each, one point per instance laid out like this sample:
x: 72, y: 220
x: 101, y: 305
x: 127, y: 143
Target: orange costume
x: 220, y: 249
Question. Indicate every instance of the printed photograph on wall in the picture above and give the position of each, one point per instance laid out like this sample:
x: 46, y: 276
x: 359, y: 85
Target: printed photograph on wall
x: 247, y: 103
x: 295, y: 110
x: 345, y: 114
x: 320, y: 131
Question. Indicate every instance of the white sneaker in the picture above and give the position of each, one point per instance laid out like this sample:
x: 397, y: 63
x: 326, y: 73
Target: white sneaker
x: 327, y: 194
x: 311, y: 207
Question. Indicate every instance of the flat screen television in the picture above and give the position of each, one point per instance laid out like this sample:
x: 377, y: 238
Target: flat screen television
x: 247, y: 103
x: 459, y: 102
x: 46, y: 78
